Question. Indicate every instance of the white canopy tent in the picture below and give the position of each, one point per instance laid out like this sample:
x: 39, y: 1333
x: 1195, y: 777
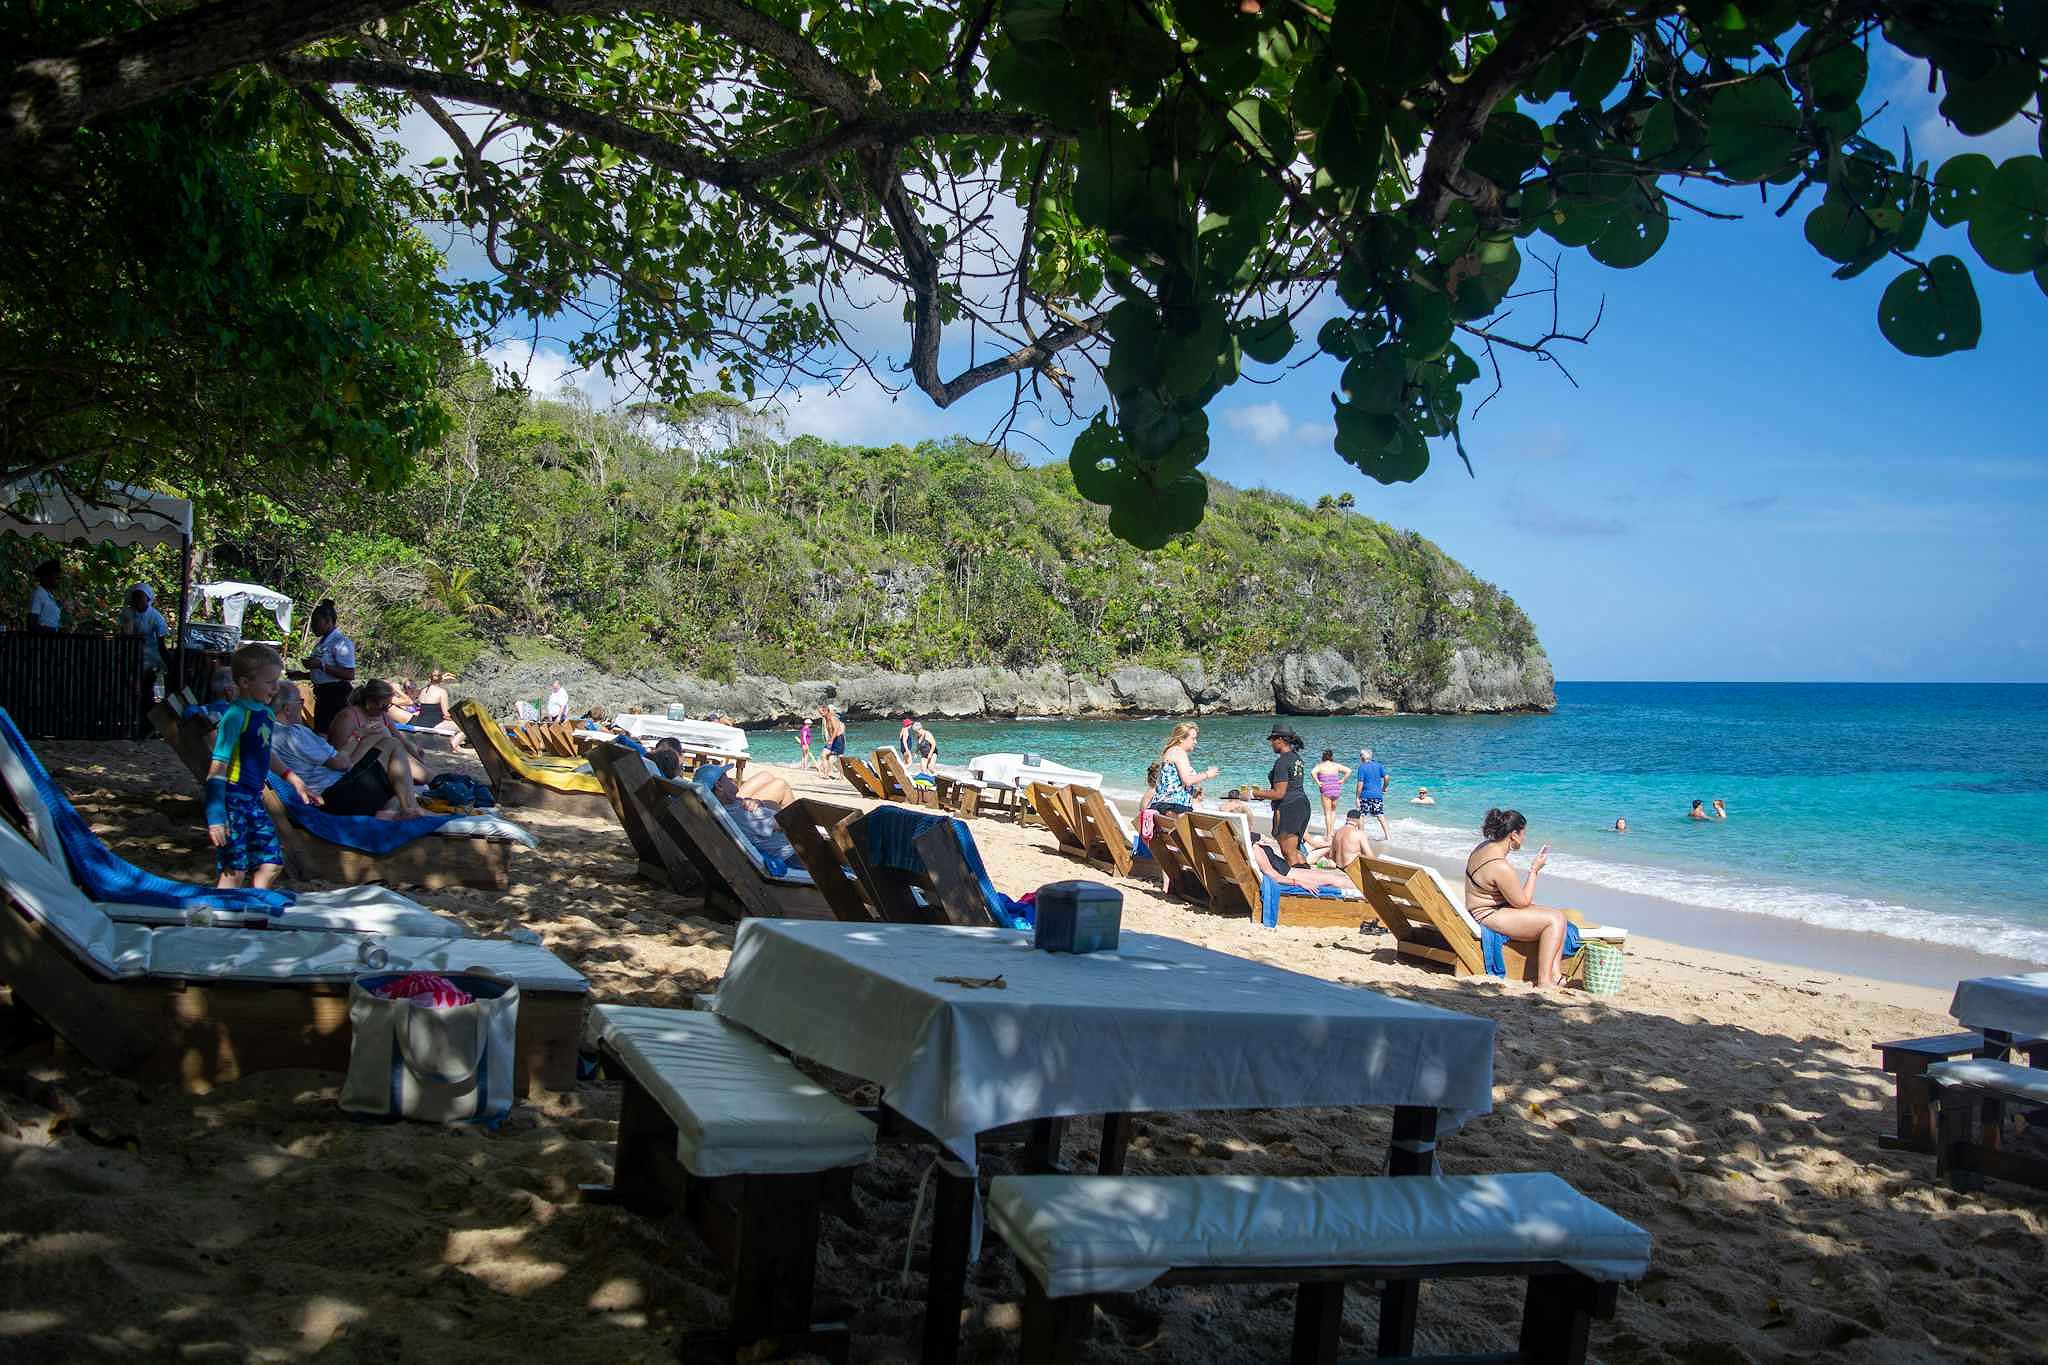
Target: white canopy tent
x: 235, y: 599
x: 127, y: 515
x: 120, y: 514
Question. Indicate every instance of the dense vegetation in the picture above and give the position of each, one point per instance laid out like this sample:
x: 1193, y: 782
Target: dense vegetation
x: 694, y: 539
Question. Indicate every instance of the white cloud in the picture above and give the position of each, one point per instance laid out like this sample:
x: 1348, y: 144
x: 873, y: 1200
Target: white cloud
x: 861, y: 413
x: 1270, y: 424
x: 547, y: 370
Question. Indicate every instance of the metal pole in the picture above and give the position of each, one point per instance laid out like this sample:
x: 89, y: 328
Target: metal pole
x: 184, y: 606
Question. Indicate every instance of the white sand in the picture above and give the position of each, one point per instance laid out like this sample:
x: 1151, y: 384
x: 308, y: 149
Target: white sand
x: 1729, y: 1105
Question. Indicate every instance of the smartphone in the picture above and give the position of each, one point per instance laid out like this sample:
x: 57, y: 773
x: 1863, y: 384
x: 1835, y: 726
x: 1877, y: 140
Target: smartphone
x: 1543, y: 852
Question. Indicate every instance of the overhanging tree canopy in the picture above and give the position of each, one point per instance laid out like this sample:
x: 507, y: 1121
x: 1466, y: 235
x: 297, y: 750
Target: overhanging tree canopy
x: 1155, y: 189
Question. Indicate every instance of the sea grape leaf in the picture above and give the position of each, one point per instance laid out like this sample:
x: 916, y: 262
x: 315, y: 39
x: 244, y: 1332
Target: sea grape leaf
x: 2009, y: 227
x: 1753, y: 128
x: 1267, y: 340
x: 1603, y: 66
x: 1932, y: 312
x: 1981, y: 104
x: 1957, y: 186
x: 1388, y: 44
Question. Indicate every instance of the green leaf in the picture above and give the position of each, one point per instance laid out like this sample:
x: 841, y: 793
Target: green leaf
x: 1511, y: 144
x: 1334, y: 337
x: 1837, y: 76
x: 1267, y: 340
x: 1659, y: 135
x: 1601, y: 69
x: 1481, y: 278
x: 1634, y: 236
x: 1096, y: 462
x: 1374, y: 379
x: 1987, y: 102
x: 1753, y: 129
x: 1426, y: 324
x: 1839, y: 230
x: 1151, y: 521
x: 1389, y: 44
x: 1349, y: 145
x: 1957, y: 186
x: 2009, y: 227
x: 1932, y: 313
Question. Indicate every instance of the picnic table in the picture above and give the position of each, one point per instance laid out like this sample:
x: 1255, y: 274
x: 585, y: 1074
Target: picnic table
x: 1158, y: 1026
x: 2003, y: 1008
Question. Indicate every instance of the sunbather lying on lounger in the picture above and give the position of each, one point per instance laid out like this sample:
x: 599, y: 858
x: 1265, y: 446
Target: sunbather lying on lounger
x: 366, y: 713
x: 1267, y: 855
x: 753, y: 806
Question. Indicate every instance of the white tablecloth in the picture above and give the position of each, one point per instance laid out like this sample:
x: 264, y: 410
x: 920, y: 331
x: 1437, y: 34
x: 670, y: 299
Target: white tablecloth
x: 1159, y: 1026
x: 2017, y: 1004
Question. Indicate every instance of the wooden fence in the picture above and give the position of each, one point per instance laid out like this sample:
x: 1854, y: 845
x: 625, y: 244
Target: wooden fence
x: 72, y: 686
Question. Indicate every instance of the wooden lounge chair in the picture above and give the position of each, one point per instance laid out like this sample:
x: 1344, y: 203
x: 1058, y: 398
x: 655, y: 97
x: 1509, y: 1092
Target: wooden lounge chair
x: 736, y: 879
x: 1105, y: 834
x: 201, y: 1006
x: 898, y: 784
x: 1234, y: 885
x: 833, y: 843
x: 561, y: 784
x: 865, y: 779
x: 1429, y: 925
x: 817, y: 830
x: 1173, y: 846
x: 632, y: 789
x: 435, y: 863
x: 1055, y: 811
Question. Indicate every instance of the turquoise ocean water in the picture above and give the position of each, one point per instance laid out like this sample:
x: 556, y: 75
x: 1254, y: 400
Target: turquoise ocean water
x: 1916, y: 811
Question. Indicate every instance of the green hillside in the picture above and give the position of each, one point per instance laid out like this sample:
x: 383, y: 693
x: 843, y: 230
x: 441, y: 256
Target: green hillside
x: 697, y: 541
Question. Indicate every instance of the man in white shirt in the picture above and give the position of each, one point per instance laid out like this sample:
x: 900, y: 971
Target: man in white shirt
x: 332, y: 664
x: 558, y: 702
x: 370, y: 777
x: 44, y: 615
x: 140, y: 617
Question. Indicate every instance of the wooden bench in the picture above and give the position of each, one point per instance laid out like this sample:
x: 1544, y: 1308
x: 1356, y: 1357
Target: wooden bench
x: 1078, y: 1236
x: 1907, y: 1059
x: 1974, y: 1092
x: 717, y: 1124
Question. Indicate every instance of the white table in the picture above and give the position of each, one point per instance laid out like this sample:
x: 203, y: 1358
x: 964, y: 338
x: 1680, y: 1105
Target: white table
x: 1158, y: 1026
x: 2003, y: 1008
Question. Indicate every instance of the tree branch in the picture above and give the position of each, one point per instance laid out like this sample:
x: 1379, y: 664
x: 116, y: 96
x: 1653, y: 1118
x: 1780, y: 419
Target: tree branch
x: 44, y: 100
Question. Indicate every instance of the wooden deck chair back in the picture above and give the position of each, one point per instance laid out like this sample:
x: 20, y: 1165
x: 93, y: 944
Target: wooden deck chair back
x: 951, y: 887
x: 864, y: 778
x: 625, y: 778
x: 944, y: 891
x: 897, y: 781
x: 1174, y: 848
x: 1225, y: 867
x: 961, y: 797
x: 1424, y: 925
x: 1097, y: 827
x: 817, y: 830
x: 1055, y: 810
x: 731, y: 878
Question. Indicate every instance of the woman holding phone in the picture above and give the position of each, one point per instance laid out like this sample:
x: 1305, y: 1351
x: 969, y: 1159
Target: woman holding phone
x: 1505, y: 903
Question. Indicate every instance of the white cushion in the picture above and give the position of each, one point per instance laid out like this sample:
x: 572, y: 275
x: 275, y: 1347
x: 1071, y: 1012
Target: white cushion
x: 413, y: 920
x: 739, y: 1106
x: 48, y: 894
x: 303, y: 955
x: 1115, y: 1234
x: 2007, y: 1078
x: 41, y: 824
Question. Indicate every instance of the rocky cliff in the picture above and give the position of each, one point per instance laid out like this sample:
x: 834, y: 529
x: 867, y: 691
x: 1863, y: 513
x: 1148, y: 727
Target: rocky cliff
x: 1316, y: 683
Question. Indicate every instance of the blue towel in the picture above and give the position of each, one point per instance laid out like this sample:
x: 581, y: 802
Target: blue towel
x: 1490, y: 945
x: 1271, y: 890
x: 363, y: 833
x: 104, y: 875
x: 892, y: 834
x: 1138, y: 849
x: 631, y: 743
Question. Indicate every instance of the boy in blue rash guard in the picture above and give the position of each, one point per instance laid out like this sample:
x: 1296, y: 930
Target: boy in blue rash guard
x: 244, y: 838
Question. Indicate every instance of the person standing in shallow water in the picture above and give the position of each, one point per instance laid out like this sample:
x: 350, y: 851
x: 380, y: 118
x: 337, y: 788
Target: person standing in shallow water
x: 1698, y: 812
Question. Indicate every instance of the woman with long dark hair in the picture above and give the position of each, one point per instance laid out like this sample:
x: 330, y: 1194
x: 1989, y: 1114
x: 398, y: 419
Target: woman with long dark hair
x: 1506, y: 903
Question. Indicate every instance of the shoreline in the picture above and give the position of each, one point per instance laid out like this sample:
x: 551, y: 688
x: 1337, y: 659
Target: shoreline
x: 1926, y: 970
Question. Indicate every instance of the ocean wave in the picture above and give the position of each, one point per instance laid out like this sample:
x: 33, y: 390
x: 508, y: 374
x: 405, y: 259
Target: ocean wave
x: 1731, y: 891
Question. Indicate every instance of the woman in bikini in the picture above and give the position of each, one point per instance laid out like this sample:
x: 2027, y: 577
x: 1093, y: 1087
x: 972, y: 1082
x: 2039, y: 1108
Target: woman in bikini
x: 1329, y: 778
x: 1505, y: 903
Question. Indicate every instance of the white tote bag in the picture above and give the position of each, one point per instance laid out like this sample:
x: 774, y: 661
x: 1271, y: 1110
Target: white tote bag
x: 448, y: 1065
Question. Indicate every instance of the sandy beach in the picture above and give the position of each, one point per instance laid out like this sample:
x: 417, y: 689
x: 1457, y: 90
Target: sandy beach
x: 1729, y: 1104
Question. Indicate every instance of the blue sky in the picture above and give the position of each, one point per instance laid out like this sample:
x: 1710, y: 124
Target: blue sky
x: 1748, y: 483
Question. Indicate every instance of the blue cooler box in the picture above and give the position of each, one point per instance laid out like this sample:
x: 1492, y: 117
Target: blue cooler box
x: 1078, y: 917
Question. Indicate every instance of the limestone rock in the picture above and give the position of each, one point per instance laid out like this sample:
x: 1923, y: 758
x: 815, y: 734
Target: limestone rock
x: 1150, y: 691
x: 1319, y: 683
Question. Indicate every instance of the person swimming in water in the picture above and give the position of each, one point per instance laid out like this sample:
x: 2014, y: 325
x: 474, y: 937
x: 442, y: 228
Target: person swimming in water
x: 1720, y: 809
x: 1698, y: 811
x: 1620, y: 824
x: 1422, y: 798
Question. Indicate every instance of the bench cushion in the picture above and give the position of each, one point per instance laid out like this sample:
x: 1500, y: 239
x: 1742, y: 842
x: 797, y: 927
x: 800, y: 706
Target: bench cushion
x: 2007, y: 1078
x: 740, y: 1107
x: 1114, y: 1234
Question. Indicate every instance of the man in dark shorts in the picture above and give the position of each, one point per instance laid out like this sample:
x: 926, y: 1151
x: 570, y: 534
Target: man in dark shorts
x: 1287, y: 789
x: 1372, y: 790
x: 835, y: 736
